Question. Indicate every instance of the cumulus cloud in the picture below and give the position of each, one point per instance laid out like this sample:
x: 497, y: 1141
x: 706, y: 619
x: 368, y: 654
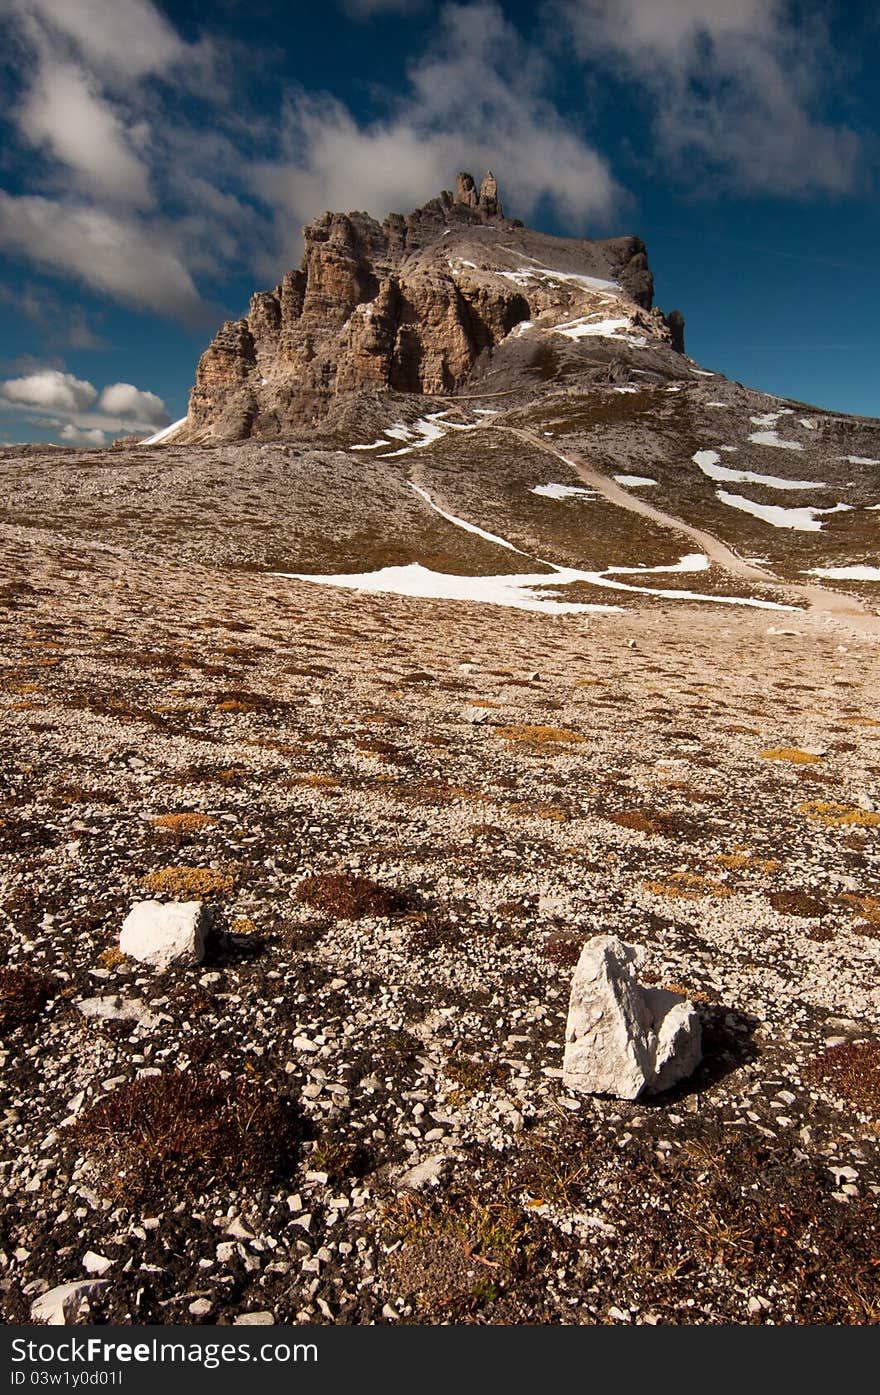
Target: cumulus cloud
x: 50, y: 389
x: 77, y: 412
x: 477, y: 100
x: 65, y: 113
x: 107, y: 251
x: 734, y: 88
x: 79, y: 436
x: 126, y: 401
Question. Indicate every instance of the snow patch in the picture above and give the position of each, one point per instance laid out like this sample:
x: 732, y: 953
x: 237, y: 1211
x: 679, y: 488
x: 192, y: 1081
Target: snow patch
x: 691, y: 562
x: 633, y: 481
x: 770, y: 438
x: 859, y: 572
x: 561, y: 491
x: 524, y: 274
x: 165, y: 434
x: 804, y: 520
x: 708, y: 463
x: 517, y: 592
x: 585, y: 328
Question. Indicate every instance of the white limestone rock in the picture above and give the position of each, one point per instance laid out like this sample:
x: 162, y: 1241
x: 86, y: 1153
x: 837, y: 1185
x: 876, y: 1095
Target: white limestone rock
x: 61, y: 1305
x: 165, y: 934
x: 428, y: 1173
x: 622, y: 1039
x: 114, y: 1008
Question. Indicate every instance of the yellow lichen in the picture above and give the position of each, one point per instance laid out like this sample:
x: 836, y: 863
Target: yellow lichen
x: 686, y: 886
x: 182, y: 882
x: 792, y: 754
x: 833, y: 815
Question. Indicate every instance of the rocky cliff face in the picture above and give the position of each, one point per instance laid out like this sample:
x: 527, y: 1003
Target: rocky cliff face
x: 411, y: 305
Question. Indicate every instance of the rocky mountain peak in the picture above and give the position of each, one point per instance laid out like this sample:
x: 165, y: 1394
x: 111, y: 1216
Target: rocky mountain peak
x: 429, y: 302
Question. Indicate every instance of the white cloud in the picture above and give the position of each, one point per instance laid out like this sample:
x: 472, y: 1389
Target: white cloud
x: 128, y: 38
x: 77, y: 436
x: 50, y: 389
x: 733, y: 86
x: 65, y: 113
x: 475, y: 101
x: 75, y: 410
x: 133, y: 262
x: 126, y: 401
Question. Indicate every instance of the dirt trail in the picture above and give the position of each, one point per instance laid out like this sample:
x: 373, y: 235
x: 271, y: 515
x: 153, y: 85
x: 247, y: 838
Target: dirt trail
x: 820, y: 602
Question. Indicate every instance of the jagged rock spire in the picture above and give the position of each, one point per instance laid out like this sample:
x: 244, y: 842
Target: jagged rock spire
x: 486, y: 201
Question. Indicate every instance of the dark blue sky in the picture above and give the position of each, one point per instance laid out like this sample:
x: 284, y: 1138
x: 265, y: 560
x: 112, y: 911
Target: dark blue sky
x: 157, y: 161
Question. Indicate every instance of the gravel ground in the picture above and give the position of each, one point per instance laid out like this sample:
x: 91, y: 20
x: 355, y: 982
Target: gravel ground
x: 407, y: 817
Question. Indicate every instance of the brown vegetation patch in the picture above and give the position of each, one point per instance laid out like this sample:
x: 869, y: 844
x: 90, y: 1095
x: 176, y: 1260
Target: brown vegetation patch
x: 183, y: 823
x: 183, y: 882
x: 797, y: 903
x: 852, y: 1072
x: 23, y: 995
x: 869, y: 908
x: 187, y: 1131
x: 562, y: 951
x: 640, y: 820
x: 347, y: 897
x: 457, y: 1253
x: 313, y: 779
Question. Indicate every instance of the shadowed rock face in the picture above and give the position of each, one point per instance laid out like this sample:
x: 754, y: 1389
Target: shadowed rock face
x: 410, y: 304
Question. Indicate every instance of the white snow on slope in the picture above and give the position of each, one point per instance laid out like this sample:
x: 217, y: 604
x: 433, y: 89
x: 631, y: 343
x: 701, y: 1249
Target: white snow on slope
x: 462, y: 523
x: 633, y: 481
x: 771, y: 418
x: 523, y: 274
x: 804, y: 520
x: 421, y: 433
x: 601, y: 329
x: 708, y: 463
x: 416, y: 580
x: 771, y: 438
x: 518, y: 591
x: 855, y: 573
x: 859, y: 460
x: 561, y: 491
x: 165, y: 434
x: 691, y: 562
x: 528, y: 591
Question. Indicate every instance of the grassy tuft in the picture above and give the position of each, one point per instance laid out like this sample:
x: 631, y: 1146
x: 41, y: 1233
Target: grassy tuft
x: 347, y: 897
x: 851, y: 1071
x: 23, y: 995
x: 185, y: 1131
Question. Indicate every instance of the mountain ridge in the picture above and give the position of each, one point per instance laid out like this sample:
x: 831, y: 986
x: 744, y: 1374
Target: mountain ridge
x: 424, y: 303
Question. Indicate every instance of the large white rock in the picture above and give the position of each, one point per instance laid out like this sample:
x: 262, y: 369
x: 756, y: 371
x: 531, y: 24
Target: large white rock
x: 165, y: 934
x: 620, y: 1038
x: 61, y: 1305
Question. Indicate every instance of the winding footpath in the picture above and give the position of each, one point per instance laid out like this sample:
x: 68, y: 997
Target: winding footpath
x: 820, y: 602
